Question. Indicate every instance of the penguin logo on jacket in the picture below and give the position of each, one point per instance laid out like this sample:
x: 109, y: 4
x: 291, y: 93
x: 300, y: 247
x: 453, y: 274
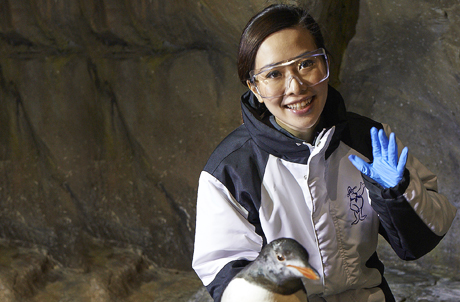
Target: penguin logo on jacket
x: 357, y: 202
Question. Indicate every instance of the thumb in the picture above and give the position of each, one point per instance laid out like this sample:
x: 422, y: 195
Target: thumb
x: 360, y: 164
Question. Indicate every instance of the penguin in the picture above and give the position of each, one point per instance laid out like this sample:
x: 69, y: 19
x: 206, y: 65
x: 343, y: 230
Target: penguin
x: 274, y: 276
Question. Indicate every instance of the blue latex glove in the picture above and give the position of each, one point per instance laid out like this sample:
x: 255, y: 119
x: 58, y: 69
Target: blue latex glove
x: 385, y: 169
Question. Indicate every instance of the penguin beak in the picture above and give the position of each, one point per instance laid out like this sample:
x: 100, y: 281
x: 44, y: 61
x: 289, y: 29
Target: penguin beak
x: 309, y: 273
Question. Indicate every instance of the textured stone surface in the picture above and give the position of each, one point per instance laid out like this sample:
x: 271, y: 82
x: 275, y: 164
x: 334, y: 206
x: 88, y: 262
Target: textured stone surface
x: 112, y: 274
x: 110, y: 108
x: 415, y: 281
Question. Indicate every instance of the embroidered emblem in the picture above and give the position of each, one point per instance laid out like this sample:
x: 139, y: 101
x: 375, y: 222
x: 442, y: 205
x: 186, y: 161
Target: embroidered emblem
x: 357, y: 202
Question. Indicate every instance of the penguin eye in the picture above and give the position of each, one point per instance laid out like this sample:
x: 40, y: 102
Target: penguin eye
x: 280, y: 257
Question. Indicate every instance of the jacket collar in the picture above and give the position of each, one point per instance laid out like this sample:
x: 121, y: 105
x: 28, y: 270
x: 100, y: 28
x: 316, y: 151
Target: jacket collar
x: 256, y: 118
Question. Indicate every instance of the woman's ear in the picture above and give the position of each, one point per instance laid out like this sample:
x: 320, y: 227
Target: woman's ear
x: 253, y: 88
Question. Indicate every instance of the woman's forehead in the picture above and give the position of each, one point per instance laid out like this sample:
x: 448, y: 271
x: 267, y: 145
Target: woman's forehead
x: 284, y: 45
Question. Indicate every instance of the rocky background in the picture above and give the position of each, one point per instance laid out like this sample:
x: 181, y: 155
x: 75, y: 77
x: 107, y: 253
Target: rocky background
x: 109, y: 110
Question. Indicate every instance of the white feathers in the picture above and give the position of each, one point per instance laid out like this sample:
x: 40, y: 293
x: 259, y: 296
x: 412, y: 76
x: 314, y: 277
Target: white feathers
x: 240, y: 290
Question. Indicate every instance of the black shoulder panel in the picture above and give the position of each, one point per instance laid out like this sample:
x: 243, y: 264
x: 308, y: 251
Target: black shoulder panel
x: 240, y: 166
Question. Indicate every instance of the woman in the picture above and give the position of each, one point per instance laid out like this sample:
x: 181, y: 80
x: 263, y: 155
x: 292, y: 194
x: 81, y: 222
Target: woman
x: 298, y: 168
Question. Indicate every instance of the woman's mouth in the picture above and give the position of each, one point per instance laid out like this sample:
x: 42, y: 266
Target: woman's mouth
x: 300, y: 105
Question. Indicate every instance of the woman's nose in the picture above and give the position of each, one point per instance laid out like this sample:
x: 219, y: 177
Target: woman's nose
x: 294, y: 85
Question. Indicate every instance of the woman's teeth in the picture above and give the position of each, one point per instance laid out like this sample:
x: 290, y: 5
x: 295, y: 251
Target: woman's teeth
x: 301, y: 105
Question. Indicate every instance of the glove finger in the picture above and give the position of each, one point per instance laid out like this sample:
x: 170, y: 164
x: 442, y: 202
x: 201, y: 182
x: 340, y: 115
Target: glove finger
x: 361, y: 165
x: 393, y: 151
x: 383, y: 144
x: 376, y: 149
x: 402, y: 161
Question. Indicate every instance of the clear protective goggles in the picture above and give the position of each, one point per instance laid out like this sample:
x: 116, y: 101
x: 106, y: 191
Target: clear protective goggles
x: 309, y: 69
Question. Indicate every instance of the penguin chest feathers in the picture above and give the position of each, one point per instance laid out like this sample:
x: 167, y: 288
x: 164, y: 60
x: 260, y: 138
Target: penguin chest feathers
x: 240, y: 290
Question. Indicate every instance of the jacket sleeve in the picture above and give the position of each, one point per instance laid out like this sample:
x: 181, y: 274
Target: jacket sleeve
x: 414, y: 217
x: 225, y: 241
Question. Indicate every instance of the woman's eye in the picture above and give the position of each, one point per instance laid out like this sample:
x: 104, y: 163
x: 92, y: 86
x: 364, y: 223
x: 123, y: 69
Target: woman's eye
x: 273, y: 74
x: 306, y: 63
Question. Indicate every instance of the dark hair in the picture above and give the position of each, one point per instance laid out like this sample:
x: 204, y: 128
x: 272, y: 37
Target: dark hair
x: 270, y: 20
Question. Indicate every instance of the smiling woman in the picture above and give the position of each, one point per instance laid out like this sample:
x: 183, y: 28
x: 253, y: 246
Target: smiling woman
x: 298, y: 168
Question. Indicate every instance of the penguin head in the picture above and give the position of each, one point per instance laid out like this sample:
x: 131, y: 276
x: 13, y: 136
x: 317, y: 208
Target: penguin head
x: 281, y: 265
x: 291, y: 259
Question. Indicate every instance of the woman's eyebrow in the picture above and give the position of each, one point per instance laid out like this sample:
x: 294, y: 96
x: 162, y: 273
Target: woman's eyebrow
x: 286, y: 61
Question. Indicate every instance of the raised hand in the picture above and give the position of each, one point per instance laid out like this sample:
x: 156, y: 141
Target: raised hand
x: 385, y: 169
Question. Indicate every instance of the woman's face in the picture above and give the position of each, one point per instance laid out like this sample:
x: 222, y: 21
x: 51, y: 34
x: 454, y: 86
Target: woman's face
x: 298, y: 111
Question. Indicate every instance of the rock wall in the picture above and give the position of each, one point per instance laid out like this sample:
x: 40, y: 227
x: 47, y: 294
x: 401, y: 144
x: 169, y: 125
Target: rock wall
x: 109, y: 110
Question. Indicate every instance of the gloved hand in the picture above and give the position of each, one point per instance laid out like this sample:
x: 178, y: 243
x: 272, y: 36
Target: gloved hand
x: 385, y: 169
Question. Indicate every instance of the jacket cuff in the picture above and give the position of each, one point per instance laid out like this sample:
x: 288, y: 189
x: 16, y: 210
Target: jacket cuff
x: 389, y: 193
